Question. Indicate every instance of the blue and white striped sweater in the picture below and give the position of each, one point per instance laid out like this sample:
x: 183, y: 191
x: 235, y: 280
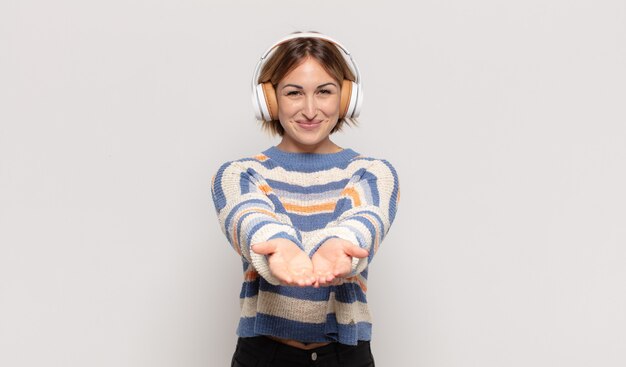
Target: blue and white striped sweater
x: 306, y: 198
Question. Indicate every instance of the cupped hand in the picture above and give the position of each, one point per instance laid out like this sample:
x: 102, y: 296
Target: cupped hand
x: 287, y: 262
x: 333, y: 260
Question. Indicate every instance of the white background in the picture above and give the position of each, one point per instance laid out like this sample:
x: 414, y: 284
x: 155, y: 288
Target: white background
x: 506, y: 122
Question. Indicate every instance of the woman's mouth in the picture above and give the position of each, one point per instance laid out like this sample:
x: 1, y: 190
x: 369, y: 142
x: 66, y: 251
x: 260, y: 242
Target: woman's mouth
x: 309, y: 125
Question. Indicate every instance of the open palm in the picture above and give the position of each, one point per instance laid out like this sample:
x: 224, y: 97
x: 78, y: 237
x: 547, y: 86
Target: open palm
x: 287, y: 262
x: 333, y: 260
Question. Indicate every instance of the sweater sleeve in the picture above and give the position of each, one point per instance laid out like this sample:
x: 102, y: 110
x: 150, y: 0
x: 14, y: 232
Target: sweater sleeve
x: 249, y: 212
x: 364, y: 212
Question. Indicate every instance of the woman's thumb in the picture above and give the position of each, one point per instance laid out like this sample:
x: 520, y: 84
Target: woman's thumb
x: 356, y: 251
x: 263, y: 248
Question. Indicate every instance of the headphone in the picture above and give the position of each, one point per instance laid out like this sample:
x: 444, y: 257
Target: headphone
x: 264, y: 100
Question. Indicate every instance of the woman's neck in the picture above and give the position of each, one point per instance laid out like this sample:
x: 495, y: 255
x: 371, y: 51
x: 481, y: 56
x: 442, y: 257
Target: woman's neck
x: 321, y: 148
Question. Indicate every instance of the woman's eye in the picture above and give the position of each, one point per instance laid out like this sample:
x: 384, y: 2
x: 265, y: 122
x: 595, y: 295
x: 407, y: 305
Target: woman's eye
x: 293, y: 93
x: 325, y: 91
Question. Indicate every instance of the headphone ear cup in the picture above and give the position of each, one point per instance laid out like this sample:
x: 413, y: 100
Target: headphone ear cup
x: 356, y: 100
x: 264, y: 102
x: 270, y: 100
x: 346, y: 93
x: 350, y: 104
x: 258, y: 103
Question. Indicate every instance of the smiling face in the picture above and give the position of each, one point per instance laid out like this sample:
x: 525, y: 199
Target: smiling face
x: 308, y: 108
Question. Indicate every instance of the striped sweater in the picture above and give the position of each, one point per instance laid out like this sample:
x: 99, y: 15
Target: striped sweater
x: 306, y: 198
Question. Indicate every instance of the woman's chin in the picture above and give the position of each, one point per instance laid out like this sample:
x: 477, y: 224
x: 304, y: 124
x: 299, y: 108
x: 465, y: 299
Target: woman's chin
x: 307, y: 138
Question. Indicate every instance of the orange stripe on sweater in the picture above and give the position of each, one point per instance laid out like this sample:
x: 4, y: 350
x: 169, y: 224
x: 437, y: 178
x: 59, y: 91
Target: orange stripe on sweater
x: 358, y: 280
x: 250, y: 275
x: 362, y: 284
x: 351, y: 192
x: 260, y: 157
x: 265, y: 188
x: 326, y: 207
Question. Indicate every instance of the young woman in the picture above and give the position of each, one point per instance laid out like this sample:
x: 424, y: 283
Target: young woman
x: 306, y: 216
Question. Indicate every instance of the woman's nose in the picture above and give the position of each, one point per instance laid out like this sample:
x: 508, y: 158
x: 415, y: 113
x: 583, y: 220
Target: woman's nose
x: 310, y: 107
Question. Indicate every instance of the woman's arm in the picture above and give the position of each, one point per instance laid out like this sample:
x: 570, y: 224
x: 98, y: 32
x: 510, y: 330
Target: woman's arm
x: 250, y: 213
x: 363, y: 215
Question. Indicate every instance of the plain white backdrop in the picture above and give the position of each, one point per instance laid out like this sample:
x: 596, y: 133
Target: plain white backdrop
x: 506, y: 122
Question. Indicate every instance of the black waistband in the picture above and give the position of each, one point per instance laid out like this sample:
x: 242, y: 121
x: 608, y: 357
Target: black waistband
x: 265, y: 349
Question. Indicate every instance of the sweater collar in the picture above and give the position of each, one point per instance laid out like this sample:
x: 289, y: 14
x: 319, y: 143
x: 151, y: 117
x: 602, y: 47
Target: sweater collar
x: 310, y: 161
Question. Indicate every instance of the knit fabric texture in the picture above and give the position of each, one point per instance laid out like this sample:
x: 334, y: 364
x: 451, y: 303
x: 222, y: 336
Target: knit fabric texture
x: 306, y: 198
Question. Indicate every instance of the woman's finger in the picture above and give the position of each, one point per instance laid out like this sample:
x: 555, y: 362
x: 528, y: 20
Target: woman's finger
x: 356, y: 251
x: 304, y: 278
x: 264, y: 248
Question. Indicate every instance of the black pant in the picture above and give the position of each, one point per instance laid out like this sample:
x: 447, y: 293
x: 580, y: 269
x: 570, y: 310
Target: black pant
x: 260, y: 351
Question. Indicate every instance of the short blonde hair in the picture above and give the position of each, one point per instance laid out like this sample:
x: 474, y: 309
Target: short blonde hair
x: 288, y: 55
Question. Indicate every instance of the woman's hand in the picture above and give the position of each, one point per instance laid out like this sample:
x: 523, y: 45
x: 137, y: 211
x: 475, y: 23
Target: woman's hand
x: 287, y: 262
x: 333, y: 260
